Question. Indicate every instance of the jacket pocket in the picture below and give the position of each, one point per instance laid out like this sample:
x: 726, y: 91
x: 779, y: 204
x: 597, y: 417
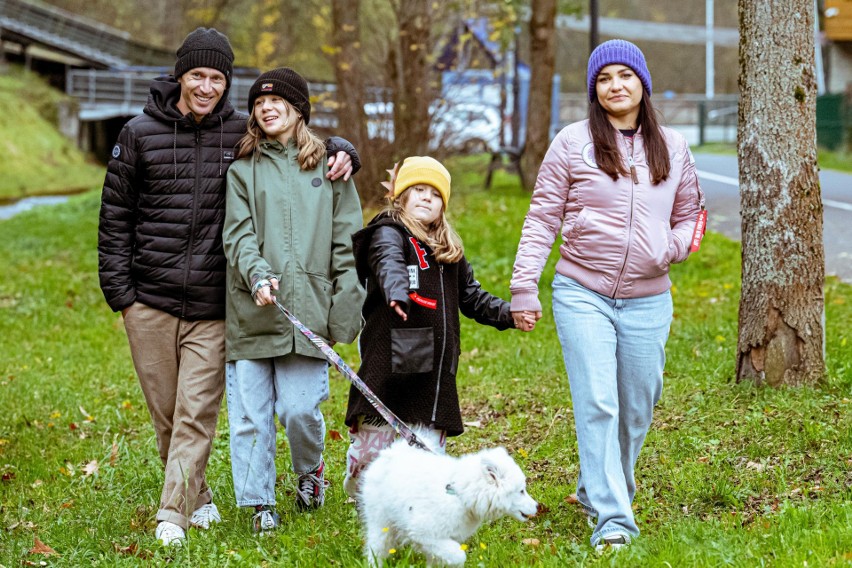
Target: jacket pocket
x: 412, y: 350
x: 252, y: 320
x: 317, y: 303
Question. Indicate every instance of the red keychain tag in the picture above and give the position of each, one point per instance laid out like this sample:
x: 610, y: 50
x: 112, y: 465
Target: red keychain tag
x: 698, y: 234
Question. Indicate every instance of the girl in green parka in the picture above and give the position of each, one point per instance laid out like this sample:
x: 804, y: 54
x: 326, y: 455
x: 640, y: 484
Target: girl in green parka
x: 287, y: 230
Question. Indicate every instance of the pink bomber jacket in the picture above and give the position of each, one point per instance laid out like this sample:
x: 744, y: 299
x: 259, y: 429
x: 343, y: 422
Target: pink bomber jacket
x: 618, y: 237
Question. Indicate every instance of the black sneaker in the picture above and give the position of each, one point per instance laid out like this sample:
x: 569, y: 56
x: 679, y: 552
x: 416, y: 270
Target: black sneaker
x: 264, y: 519
x: 310, y: 491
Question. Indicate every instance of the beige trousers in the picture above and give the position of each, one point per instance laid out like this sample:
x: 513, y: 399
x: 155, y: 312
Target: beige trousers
x: 181, y: 368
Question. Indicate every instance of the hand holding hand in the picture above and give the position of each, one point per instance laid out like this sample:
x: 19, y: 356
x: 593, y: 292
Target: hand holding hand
x: 525, y: 320
x: 339, y: 165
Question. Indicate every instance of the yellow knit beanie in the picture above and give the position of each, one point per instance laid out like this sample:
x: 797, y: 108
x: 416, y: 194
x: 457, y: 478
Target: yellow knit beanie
x: 426, y: 170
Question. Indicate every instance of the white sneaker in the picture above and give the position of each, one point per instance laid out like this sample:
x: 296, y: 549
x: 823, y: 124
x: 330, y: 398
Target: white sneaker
x: 612, y: 541
x: 204, y: 516
x: 170, y: 534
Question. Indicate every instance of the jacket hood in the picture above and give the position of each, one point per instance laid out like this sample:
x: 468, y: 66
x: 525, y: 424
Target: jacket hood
x: 164, y: 96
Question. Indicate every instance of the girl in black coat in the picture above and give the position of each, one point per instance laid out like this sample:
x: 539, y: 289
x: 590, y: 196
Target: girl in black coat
x: 417, y: 280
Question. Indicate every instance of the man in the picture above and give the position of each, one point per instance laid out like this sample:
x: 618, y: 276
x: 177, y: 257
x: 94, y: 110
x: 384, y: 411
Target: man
x: 162, y: 265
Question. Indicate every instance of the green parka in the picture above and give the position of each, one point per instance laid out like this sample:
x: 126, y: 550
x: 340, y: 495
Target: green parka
x: 294, y: 225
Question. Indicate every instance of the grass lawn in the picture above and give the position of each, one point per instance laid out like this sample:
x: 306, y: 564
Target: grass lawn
x: 731, y: 475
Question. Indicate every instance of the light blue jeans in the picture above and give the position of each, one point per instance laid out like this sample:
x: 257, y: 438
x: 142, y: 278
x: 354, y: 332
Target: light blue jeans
x: 292, y: 387
x: 614, y: 352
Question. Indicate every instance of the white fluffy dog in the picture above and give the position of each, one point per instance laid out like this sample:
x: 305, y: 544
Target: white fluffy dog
x: 436, y: 502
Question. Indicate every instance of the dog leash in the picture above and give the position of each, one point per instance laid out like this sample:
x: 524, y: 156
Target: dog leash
x: 400, y: 427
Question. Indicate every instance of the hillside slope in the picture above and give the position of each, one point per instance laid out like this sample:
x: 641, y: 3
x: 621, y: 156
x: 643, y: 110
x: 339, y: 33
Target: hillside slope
x: 35, y: 158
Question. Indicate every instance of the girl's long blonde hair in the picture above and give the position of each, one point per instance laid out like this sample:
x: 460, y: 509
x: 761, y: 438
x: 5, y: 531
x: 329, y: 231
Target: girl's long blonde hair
x: 311, y: 148
x: 445, y: 243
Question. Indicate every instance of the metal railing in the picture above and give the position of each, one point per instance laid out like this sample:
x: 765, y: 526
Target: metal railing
x: 104, y: 94
x: 700, y: 119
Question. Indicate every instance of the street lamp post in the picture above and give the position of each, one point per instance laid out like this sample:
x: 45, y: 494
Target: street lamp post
x: 710, y: 78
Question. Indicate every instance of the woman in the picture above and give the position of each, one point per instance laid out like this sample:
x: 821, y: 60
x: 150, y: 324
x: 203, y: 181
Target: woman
x: 625, y: 193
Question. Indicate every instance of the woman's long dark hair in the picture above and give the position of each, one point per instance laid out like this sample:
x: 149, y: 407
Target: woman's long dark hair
x: 607, y: 155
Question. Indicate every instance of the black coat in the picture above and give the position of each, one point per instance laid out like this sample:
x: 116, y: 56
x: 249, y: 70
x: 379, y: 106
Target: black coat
x: 163, y: 207
x: 411, y: 365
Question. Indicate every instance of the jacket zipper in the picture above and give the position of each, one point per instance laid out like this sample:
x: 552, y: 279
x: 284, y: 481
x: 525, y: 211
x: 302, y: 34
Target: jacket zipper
x: 193, y: 219
x: 635, y: 181
x: 443, y: 346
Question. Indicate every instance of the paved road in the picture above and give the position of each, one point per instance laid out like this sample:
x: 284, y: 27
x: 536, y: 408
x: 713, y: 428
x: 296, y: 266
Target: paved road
x: 719, y: 179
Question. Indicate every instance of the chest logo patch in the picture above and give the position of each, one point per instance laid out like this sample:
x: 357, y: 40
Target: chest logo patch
x: 421, y: 253
x: 228, y: 155
x: 413, y: 277
x: 589, y: 155
x: 316, y: 182
x: 116, y: 151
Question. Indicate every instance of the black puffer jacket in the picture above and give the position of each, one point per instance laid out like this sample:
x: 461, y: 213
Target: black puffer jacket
x: 163, y: 206
x: 411, y: 365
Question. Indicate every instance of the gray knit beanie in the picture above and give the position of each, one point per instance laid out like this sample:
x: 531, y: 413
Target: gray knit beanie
x: 288, y: 85
x: 205, y: 47
x: 617, y: 51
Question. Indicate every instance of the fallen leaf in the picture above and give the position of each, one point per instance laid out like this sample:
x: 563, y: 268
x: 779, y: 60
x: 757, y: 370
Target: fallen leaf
x: 67, y: 504
x: 755, y: 466
x: 704, y: 459
x: 572, y: 499
x: 113, y: 453
x: 90, y: 468
x: 89, y: 417
x: 130, y: 549
x: 335, y: 435
x: 474, y: 424
x: 40, y: 548
x: 22, y: 524
x: 531, y: 541
x: 72, y: 426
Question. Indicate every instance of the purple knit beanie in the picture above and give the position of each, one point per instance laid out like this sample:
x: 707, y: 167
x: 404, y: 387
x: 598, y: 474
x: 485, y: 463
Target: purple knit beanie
x: 617, y: 51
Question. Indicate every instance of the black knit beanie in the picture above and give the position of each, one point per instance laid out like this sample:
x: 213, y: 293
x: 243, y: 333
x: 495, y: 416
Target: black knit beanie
x: 205, y: 47
x: 288, y: 85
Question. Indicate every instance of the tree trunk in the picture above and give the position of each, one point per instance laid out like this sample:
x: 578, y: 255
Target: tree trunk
x: 543, y: 60
x: 352, y: 120
x: 413, y: 90
x: 782, y: 307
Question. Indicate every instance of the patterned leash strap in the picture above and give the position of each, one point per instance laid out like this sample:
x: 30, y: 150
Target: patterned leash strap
x: 395, y: 422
